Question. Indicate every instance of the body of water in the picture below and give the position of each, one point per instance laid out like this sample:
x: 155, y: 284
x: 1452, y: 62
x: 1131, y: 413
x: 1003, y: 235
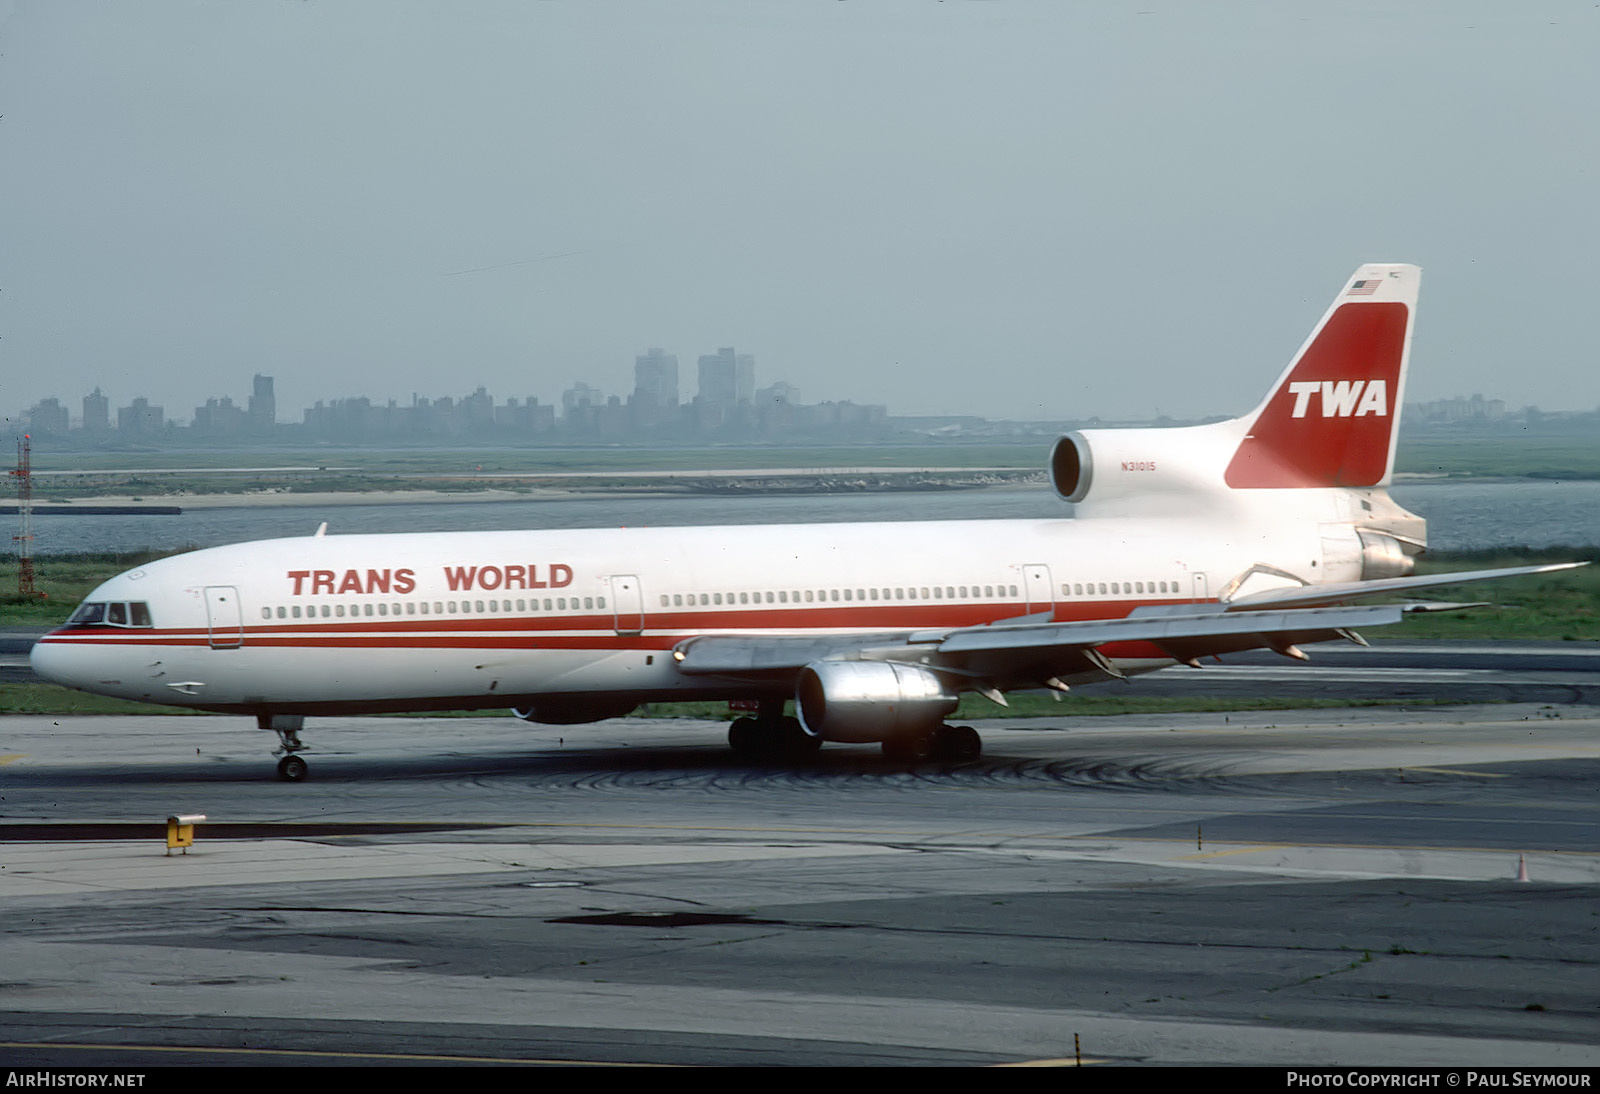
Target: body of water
x: 1460, y: 515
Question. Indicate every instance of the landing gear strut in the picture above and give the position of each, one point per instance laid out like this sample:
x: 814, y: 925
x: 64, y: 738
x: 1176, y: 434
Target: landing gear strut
x: 771, y: 735
x: 288, y: 726
x: 949, y: 744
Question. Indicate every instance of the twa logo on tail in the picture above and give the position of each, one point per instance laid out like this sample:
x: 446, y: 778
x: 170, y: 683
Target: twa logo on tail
x: 1330, y: 420
x: 1342, y: 398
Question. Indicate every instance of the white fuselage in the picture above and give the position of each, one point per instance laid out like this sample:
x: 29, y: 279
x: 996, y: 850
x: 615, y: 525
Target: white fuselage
x: 484, y: 619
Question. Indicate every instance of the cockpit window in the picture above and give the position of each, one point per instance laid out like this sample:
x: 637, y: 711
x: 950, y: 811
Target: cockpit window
x: 88, y: 615
x: 115, y: 614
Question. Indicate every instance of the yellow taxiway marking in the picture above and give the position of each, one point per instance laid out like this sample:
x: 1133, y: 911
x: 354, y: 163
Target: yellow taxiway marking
x: 8, y: 757
x: 1252, y: 849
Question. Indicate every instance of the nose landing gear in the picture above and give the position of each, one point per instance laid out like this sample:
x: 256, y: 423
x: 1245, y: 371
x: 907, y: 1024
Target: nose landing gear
x: 291, y: 768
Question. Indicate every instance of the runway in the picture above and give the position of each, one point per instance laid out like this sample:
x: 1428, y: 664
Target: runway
x: 1333, y: 888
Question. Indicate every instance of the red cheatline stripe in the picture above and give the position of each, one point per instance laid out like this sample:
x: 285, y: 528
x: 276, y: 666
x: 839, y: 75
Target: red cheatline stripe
x: 600, y: 642
x: 852, y: 617
x: 663, y: 629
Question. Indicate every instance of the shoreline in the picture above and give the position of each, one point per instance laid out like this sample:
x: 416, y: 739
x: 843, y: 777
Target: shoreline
x: 650, y: 485
x: 273, y: 499
x: 643, y: 484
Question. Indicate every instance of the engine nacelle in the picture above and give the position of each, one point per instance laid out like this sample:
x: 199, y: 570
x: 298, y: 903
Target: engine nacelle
x: 573, y: 711
x: 861, y: 701
x: 1072, y: 467
x: 1383, y: 556
x: 1107, y: 466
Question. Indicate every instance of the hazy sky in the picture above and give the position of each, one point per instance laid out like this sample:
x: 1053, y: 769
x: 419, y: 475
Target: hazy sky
x: 1010, y: 209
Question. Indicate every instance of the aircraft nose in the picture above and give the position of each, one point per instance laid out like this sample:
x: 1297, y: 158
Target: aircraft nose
x: 53, y: 661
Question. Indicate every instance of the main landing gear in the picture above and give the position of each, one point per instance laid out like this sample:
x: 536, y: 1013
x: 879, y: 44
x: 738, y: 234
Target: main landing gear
x: 948, y: 744
x: 291, y: 768
x: 771, y: 735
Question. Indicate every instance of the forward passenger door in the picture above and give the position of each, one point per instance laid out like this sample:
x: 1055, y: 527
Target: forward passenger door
x: 628, y: 604
x: 223, y: 617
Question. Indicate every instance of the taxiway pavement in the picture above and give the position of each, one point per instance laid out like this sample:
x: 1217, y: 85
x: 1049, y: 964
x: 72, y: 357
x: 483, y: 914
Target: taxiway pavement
x: 1331, y: 887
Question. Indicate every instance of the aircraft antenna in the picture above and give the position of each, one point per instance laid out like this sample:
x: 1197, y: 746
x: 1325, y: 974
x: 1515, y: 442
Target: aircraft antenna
x: 24, y: 537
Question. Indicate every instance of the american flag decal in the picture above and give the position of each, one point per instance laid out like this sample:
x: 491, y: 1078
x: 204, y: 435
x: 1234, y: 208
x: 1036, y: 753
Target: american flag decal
x: 1364, y: 288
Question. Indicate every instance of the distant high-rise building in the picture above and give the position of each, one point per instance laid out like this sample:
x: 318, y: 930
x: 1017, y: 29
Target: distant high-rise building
x: 48, y: 416
x: 654, y: 402
x: 779, y: 393
x: 96, y: 412
x: 141, y: 417
x: 580, y: 408
x: 525, y: 417
x: 727, y: 378
x: 655, y: 379
x: 219, y: 417
x: 478, y: 410
x: 263, y: 404
x: 579, y: 397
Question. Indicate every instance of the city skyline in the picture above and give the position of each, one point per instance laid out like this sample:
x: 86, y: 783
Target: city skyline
x: 653, y: 411
x: 726, y: 404
x: 725, y: 378
x: 522, y: 192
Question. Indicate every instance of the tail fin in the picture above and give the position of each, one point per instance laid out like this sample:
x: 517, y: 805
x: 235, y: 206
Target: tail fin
x: 1332, y: 418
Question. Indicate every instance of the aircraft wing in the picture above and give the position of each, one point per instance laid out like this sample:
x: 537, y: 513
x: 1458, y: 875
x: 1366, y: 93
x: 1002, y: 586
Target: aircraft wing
x: 1305, y: 596
x: 737, y: 654
x: 1016, y: 648
x: 1184, y: 633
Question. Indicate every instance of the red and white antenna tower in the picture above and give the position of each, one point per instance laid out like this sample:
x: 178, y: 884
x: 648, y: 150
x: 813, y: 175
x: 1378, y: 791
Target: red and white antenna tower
x: 24, y: 537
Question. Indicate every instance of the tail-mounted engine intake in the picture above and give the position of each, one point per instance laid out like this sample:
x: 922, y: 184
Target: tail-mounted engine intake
x: 1072, y: 467
x: 1115, y: 465
x: 862, y: 701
